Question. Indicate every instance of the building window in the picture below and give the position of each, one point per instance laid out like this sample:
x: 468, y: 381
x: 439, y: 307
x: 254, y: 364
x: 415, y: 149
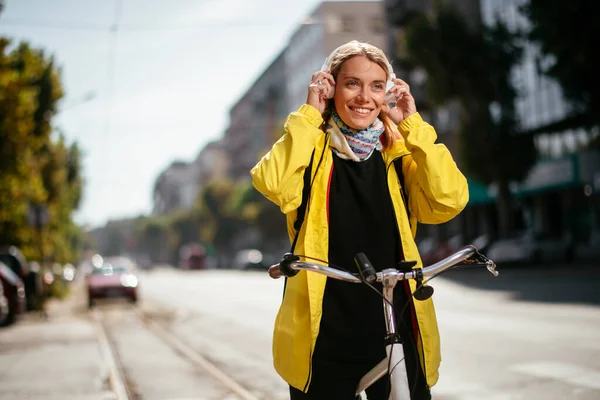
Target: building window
x: 333, y: 23
x: 377, y: 24
x: 347, y: 24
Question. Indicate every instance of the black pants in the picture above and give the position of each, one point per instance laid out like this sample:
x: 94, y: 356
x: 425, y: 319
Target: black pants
x: 335, y: 382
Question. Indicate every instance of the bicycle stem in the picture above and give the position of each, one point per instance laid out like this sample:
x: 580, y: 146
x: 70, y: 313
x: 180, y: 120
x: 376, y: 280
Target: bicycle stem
x: 389, y: 278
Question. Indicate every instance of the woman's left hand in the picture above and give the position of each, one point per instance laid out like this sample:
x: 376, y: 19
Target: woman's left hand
x: 405, y: 102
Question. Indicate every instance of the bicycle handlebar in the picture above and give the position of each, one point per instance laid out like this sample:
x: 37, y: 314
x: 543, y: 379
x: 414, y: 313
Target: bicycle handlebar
x: 468, y: 256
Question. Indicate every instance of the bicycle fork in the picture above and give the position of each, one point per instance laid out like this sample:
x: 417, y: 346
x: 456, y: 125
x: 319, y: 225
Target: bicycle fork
x: 395, y: 361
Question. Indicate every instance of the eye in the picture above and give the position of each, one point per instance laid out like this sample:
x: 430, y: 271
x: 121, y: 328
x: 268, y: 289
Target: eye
x: 352, y: 83
x: 378, y: 86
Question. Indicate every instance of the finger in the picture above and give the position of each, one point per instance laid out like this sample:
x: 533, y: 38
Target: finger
x: 323, y: 80
x: 321, y: 86
x: 327, y: 76
x: 275, y: 271
x: 399, y: 92
x: 400, y: 82
x: 326, y: 89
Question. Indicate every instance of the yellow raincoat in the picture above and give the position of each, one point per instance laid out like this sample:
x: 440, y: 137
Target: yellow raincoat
x: 437, y: 192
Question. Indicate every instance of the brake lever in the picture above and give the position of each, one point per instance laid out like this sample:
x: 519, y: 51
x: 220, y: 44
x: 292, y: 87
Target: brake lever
x: 478, y: 258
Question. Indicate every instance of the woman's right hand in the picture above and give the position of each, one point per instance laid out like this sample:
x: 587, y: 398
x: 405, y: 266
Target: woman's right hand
x: 320, y: 90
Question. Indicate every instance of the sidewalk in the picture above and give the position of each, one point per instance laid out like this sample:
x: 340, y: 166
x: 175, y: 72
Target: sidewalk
x: 54, y: 358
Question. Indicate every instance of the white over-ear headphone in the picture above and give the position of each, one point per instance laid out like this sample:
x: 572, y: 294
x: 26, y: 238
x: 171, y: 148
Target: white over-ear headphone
x: 389, y: 84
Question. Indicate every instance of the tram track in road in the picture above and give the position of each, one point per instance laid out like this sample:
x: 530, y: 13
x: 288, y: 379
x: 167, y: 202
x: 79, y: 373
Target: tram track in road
x: 119, y: 367
x: 120, y: 385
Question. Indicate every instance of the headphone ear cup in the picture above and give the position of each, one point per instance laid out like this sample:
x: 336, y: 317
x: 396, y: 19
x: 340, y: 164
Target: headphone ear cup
x: 390, y: 83
x: 389, y: 97
x: 388, y: 86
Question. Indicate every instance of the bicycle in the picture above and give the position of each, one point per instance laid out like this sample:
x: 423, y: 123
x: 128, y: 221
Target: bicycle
x: 394, y: 362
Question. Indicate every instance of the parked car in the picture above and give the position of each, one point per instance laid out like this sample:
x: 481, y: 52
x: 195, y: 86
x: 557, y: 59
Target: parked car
x: 249, y: 259
x: 13, y: 290
x: 112, y: 279
x: 530, y: 248
x: 3, y: 306
x: 15, y: 260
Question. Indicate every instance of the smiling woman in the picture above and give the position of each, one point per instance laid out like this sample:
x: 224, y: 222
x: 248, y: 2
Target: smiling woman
x: 374, y: 171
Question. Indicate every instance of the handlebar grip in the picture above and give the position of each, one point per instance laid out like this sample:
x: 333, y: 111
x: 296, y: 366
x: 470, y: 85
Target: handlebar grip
x: 365, y: 268
x: 284, y: 265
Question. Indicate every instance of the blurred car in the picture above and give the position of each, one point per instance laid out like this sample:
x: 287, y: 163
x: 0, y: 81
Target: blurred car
x: 530, y: 248
x: 3, y: 306
x: 15, y: 260
x: 432, y: 250
x: 192, y: 256
x: 249, y: 259
x: 13, y: 290
x: 112, y: 279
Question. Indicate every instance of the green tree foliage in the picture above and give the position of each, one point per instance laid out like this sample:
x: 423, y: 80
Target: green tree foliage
x: 568, y: 34
x: 35, y: 167
x: 219, y: 209
x: 473, y: 67
x: 153, y: 237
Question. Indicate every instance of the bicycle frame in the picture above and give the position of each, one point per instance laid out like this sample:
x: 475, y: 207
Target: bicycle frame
x: 395, y: 351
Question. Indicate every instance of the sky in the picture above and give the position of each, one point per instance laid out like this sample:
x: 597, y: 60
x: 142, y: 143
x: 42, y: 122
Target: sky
x: 156, y: 89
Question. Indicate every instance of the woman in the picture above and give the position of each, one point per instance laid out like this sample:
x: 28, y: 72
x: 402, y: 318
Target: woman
x: 329, y: 333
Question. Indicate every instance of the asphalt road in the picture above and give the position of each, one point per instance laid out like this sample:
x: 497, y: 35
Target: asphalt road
x: 531, y: 333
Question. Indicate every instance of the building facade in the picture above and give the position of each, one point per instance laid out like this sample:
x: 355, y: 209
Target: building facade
x: 559, y: 198
x: 175, y: 188
x: 557, y: 203
x: 256, y: 119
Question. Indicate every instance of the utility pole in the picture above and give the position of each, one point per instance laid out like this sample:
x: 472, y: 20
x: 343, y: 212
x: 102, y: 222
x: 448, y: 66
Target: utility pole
x: 38, y: 218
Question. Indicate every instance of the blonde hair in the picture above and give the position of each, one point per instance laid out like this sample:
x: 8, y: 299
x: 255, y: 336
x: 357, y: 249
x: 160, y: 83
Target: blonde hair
x: 352, y: 49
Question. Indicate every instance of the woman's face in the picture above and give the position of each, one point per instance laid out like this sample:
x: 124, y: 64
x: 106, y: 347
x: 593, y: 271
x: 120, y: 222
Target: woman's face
x: 359, y: 91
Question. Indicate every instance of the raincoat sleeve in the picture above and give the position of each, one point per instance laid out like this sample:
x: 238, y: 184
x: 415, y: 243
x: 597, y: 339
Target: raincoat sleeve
x: 437, y: 190
x: 279, y: 174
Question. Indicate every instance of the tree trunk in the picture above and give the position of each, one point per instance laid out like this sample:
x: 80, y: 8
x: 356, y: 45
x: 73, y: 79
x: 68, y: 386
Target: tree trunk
x: 504, y: 208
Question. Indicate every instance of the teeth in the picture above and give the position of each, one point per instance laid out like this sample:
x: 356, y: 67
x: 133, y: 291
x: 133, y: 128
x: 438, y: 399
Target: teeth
x: 362, y: 110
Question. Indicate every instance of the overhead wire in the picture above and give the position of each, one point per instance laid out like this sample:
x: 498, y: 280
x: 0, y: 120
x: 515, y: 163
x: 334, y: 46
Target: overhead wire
x: 112, y: 47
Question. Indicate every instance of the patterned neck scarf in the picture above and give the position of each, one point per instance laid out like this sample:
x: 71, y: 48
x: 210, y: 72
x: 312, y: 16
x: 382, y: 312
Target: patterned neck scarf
x: 354, y: 144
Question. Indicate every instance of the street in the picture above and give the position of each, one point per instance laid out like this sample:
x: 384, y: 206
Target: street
x: 206, y: 335
x: 528, y: 334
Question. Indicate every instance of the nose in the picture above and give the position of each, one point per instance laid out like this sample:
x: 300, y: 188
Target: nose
x: 363, y: 94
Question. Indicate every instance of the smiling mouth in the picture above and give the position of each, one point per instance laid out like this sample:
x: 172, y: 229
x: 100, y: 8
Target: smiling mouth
x: 361, y: 110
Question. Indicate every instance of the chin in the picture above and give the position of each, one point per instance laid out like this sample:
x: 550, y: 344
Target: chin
x: 360, y: 124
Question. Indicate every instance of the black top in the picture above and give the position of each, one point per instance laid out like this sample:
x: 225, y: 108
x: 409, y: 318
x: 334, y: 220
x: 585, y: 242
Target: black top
x: 352, y: 333
x: 361, y: 219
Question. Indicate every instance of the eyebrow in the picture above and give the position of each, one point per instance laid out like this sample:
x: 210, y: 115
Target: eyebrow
x: 348, y: 77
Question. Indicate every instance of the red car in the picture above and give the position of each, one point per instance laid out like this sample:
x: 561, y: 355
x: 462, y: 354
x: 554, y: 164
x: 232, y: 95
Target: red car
x: 13, y: 291
x: 114, y: 278
x: 192, y: 256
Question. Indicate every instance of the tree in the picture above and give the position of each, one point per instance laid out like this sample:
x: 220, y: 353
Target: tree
x: 154, y: 238
x: 567, y: 33
x: 35, y: 169
x: 474, y: 67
